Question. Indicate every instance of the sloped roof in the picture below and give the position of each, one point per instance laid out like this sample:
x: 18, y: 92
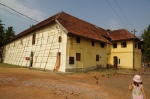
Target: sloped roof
x: 79, y: 27
x: 121, y: 34
x: 73, y: 25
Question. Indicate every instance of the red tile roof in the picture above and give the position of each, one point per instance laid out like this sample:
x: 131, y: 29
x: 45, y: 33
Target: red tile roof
x: 79, y: 27
x: 121, y: 34
x: 73, y: 25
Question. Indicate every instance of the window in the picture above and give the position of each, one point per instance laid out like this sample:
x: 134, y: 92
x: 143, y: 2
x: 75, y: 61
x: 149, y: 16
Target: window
x: 92, y: 43
x: 71, y: 60
x: 59, y: 39
x: 118, y: 61
x: 114, y: 45
x: 97, y: 57
x: 21, y: 42
x: 102, y: 45
x: 58, y: 59
x: 33, y: 39
x: 78, y: 56
x: 135, y: 45
x: 78, y: 39
x: 139, y: 45
x: 123, y: 44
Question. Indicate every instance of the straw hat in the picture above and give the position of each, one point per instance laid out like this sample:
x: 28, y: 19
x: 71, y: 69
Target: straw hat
x: 137, y: 78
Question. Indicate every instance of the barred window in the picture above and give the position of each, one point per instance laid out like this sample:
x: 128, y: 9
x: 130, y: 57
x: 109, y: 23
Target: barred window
x: 114, y: 45
x: 102, y: 45
x: 97, y: 57
x: 92, y: 43
x: 135, y: 45
x: 123, y: 44
x: 139, y: 45
x: 78, y: 39
x: 71, y: 60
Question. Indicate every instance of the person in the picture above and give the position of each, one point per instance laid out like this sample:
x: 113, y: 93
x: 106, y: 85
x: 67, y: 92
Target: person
x: 137, y: 88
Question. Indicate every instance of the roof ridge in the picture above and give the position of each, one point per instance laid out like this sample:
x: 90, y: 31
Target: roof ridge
x: 58, y: 14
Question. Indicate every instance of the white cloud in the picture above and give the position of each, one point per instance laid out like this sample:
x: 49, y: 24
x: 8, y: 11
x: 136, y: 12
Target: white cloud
x: 20, y: 7
x: 113, y: 24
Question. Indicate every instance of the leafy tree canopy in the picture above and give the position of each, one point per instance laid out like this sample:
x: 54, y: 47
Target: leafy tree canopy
x: 5, y: 34
x: 146, y: 38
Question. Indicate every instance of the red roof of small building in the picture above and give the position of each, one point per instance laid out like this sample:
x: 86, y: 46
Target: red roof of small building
x: 121, y: 34
x: 73, y: 25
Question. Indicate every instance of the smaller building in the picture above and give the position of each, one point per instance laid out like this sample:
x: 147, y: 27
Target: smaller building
x: 126, y: 49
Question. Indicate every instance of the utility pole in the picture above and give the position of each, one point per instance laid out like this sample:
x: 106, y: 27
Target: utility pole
x: 133, y: 46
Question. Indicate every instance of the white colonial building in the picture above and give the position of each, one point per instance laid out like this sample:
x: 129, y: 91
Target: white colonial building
x: 62, y: 43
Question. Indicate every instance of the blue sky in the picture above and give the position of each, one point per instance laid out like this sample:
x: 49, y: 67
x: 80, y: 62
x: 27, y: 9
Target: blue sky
x: 107, y: 14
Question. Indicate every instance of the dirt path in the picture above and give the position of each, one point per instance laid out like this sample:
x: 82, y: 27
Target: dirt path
x: 24, y: 83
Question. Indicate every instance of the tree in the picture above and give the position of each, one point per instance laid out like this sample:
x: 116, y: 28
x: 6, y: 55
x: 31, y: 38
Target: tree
x: 5, y: 34
x: 2, y: 39
x: 146, y: 38
x: 10, y: 33
x: 2, y: 34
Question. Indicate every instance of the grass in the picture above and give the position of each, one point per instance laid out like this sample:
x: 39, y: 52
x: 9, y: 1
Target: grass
x: 4, y: 65
x: 103, y: 72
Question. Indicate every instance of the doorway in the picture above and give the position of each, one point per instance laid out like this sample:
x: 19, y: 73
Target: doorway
x: 58, y: 60
x: 31, y: 59
x: 115, y: 62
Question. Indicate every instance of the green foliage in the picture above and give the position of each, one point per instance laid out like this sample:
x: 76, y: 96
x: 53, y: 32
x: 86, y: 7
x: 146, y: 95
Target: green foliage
x: 5, y: 34
x: 2, y: 34
x: 146, y: 37
x: 10, y: 33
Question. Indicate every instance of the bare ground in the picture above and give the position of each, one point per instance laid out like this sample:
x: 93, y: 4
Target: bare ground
x: 24, y: 83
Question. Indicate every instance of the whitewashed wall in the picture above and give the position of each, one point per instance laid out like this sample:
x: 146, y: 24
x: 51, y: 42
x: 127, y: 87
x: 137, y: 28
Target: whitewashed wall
x: 45, y: 49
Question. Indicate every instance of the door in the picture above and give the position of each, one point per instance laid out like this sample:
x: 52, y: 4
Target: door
x: 58, y: 61
x: 115, y: 62
x: 31, y: 59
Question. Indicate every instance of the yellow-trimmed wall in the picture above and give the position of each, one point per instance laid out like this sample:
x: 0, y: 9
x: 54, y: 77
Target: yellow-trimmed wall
x: 88, y: 53
x: 125, y: 55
